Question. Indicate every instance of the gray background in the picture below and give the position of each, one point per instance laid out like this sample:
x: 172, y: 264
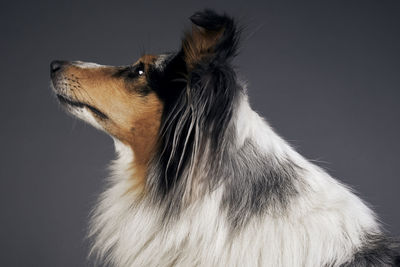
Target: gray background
x: 324, y: 73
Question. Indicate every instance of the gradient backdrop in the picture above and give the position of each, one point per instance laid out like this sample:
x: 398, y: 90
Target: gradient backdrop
x: 326, y: 74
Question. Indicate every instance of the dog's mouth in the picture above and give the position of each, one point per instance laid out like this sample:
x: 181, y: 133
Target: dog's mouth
x: 72, y: 103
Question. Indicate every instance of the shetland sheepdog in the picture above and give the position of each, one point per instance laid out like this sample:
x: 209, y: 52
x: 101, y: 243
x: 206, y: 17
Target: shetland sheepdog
x: 201, y: 179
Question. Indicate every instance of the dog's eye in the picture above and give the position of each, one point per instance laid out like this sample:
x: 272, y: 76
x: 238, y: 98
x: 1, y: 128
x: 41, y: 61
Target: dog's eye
x: 140, y: 69
x: 136, y: 70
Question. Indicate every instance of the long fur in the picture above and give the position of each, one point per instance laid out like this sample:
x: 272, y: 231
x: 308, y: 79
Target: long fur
x: 223, y: 189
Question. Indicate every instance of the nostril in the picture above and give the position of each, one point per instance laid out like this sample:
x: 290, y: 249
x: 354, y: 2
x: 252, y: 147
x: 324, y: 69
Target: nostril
x: 56, y: 65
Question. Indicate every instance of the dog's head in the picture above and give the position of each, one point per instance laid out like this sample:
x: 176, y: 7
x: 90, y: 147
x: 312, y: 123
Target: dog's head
x: 161, y: 102
x: 118, y: 100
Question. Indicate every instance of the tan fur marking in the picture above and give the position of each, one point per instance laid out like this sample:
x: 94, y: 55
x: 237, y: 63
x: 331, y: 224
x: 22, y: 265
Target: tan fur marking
x: 199, y: 44
x: 147, y: 59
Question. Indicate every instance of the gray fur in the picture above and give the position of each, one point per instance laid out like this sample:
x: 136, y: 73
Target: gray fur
x: 257, y: 184
x: 378, y: 251
x: 253, y: 183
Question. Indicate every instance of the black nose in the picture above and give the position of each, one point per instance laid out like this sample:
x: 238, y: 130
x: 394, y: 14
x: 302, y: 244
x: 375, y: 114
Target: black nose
x: 56, y: 66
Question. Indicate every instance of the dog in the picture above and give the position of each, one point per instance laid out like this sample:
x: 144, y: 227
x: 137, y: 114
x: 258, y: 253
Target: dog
x: 200, y: 178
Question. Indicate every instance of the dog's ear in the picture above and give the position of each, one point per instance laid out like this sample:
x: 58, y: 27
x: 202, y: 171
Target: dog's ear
x: 213, y: 38
x: 201, y: 97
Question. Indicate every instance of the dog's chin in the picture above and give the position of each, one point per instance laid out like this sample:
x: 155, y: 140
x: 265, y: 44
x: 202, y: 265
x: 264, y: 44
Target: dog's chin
x: 82, y: 111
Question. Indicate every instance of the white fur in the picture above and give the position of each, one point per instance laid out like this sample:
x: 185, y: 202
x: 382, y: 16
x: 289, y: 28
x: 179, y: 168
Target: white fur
x: 159, y: 64
x: 85, y: 115
x: 82, y: 113
x: 87, y: 65
x: 324, y: 224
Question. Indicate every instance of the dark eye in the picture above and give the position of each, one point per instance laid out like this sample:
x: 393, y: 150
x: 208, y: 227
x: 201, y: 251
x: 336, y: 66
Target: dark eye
x: 136, y: 70
x: 140, y: 69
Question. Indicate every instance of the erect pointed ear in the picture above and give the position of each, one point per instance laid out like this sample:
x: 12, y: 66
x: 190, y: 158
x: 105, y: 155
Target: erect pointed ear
x: 213, y: 37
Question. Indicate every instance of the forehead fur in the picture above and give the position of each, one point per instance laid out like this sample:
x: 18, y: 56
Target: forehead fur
x: 147, y: 59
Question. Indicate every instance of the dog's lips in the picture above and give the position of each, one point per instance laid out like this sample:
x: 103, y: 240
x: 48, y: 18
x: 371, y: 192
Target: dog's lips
x: 72, y: 103
x: 67, y: 101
